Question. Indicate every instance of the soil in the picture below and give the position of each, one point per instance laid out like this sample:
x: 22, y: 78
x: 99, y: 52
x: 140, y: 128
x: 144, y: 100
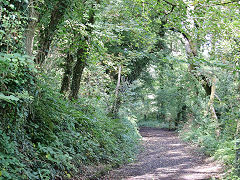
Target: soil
x: 166, y: 157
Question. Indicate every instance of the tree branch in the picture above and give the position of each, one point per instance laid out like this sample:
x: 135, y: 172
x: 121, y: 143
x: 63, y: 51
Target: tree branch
x: 184, y: 34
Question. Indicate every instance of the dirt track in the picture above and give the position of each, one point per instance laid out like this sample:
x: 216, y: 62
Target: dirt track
x: 166, y: 157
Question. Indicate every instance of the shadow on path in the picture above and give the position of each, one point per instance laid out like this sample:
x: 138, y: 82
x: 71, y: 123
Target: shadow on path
x: 166, y: 157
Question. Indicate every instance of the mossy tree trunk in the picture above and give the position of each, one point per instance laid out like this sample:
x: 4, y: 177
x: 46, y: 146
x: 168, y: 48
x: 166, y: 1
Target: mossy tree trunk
x: 210, y: 88
x: 30, y: 31
x: 82, y: 55
x: 47, y: 33
x: 67, y: 73
x: 78, y: 70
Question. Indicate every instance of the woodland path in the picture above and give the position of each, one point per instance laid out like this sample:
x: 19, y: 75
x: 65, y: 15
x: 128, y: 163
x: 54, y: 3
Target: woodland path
x: 166, y: 157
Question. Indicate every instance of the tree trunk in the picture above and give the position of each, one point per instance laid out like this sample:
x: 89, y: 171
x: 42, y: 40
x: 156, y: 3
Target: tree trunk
x: 119, y: 81
x: 78, y: 71
x: 211, y: 100
x: 117, y: 100
x: 192, y: 51
x: 158, y: 116
x: 145, y: 117
x: 30, y: 29
x: 47, y: 34
x: 211, y: 106
x: 67, y: 74
x: 81, y: 57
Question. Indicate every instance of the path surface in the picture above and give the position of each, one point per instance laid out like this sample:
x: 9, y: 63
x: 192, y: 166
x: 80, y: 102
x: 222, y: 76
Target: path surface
x: 166, y: 157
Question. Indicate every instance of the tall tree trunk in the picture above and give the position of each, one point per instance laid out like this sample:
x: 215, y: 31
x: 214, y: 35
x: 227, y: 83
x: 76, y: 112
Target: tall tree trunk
x: 119, y: 81
x: 78, y: 70
x: 211, y: 108
x: 192, y: 51
x: 31, y: 28
x: 211, y: 99
x: 82, y: 57
x: 47, y: 34
x: 67, y: 74
x: 117, y: 100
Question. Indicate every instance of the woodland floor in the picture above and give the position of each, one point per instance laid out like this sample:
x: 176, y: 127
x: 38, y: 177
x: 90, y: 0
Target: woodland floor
x: 166, y: 157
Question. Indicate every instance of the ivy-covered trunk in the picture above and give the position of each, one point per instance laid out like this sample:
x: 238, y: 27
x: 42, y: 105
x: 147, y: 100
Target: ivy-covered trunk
x: 30, y: 31
x: 47, y: 34
x: 67, y: 73
x: 78, y: 70
x: 81, y: 57
x: 209, y: 88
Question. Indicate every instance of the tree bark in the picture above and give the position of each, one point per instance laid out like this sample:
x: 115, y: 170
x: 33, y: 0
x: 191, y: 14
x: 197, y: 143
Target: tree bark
x: 47, y: 34
x: 211, y: 99
x: 67, y: 74
x: 31, y: 28
x: 78, y: 70
x: 192, y: 51
x: 117, y: 100
x: 211, y: 108
x: 119, y: 81
x: 81, y: 57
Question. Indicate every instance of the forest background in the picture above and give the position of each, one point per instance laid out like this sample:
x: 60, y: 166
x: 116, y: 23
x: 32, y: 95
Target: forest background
x: 79, y: 77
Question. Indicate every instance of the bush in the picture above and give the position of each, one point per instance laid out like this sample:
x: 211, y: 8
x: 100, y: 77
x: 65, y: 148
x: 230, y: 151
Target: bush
x: 44, y: 136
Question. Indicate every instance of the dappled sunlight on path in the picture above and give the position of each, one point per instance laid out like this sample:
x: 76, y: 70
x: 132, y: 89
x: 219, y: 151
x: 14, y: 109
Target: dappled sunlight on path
x: 165, y: 156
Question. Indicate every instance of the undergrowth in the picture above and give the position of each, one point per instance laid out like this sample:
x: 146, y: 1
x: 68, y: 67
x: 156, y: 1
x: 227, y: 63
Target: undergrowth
x: 222, y: 148
x: 44, y: 136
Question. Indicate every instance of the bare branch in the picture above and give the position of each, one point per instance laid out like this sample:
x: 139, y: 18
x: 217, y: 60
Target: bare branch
x: 184, y: 34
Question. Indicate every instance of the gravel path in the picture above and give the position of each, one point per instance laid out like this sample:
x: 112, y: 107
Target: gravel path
x: 166, y: 157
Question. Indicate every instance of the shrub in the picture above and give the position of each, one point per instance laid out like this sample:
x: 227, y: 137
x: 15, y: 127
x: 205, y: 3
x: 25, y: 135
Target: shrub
x: 44, y: 136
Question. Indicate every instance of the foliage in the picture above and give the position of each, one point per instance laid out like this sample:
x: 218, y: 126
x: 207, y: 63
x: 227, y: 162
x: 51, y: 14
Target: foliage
x: 13, y: 19
x: 44, y: 136
x: 169, y: 52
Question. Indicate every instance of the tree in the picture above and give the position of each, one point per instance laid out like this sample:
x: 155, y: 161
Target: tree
x: 82, y: 51
x: 48, y: 29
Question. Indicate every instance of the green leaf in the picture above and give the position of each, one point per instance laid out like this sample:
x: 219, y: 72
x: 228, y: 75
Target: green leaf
x: 10, y: 98
x: 48, y: 156
x: 11, y: 6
